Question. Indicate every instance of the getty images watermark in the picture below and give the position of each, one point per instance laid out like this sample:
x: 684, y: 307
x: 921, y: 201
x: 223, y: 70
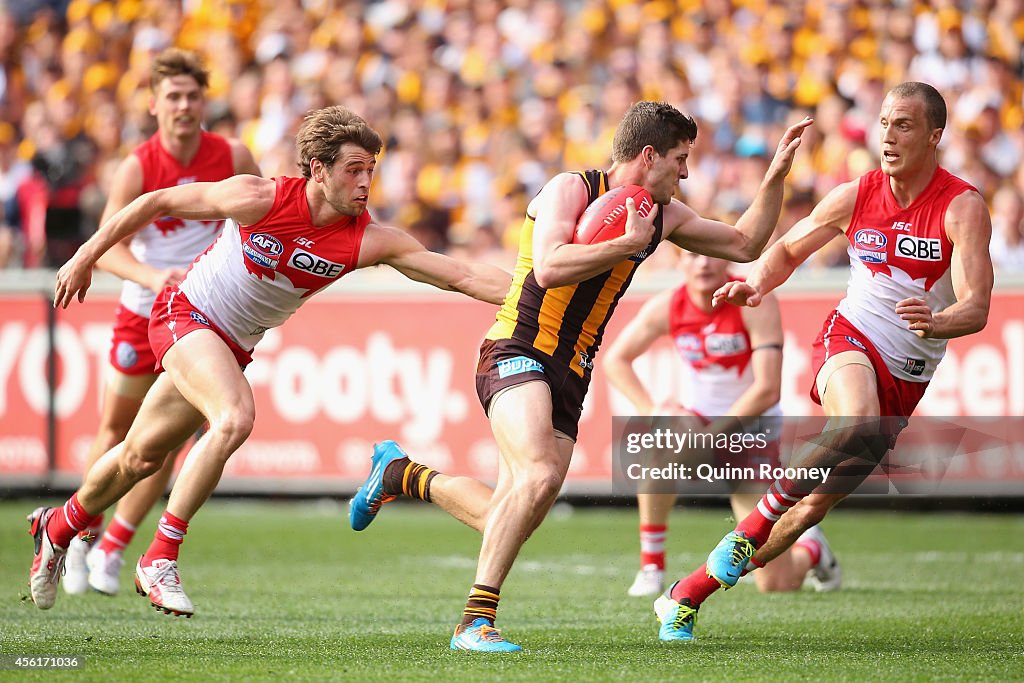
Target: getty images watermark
x: 952, y: 456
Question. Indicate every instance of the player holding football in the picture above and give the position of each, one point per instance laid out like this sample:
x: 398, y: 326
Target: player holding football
x: 920, y: 275
x: 179, y: 152
x: 733, y: 358
x: 536, y: 361
x: 284, y: 240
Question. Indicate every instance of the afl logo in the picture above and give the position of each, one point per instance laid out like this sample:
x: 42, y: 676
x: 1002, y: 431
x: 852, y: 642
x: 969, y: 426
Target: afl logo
x: 263, y: 249
x: 870, y: 239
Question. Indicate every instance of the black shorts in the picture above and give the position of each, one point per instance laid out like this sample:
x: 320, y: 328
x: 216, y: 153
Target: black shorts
x: 506, y: 363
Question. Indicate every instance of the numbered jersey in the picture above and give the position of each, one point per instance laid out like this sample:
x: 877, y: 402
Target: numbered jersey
x: 255, y: 277
x: 716, y: 349
x: 173, y: 242
x: 896, y: 254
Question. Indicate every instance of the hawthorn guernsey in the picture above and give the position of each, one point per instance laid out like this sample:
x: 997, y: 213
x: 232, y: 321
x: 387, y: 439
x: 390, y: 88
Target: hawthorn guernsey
x: 605, y: 218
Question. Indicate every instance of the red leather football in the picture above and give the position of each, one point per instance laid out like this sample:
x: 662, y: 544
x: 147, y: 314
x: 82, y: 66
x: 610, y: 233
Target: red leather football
x: 605, y: 218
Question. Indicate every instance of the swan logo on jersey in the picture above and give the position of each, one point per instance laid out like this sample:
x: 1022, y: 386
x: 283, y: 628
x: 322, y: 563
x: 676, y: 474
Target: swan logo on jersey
x: 315, y: 265
x: 869, y: 245
x: 262, y: 249
x: 919, y: 248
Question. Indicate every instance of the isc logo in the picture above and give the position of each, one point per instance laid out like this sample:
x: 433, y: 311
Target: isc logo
x: 871, y: 239
x: 313, y: 264
x: 919, y: 248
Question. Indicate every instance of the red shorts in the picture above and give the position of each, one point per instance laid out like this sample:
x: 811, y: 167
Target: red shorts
x: 896, y: 397
x: 174, y: 316
x: 130, y: 352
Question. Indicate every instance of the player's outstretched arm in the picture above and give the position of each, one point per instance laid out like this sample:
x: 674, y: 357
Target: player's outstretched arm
x: 745, y: 241
x: 404, y: 253
x: 119, y: 260
x: 556, y: 261
x: 244, y: 198
x: 828, y: 219
x: 969, y: 228
x: 634, y: 340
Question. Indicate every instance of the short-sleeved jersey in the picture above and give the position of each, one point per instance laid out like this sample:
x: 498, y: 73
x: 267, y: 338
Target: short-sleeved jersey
x: 174, y: 242
x: 897, y: 253
x: 566, y: 323
x: 715, y: 347
x: 255, y: 277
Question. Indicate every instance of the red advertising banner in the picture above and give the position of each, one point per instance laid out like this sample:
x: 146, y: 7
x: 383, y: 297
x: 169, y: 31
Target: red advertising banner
x: 348, y: 371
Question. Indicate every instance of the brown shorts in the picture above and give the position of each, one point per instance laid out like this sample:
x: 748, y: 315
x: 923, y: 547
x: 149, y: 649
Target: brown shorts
x: 506, y: 363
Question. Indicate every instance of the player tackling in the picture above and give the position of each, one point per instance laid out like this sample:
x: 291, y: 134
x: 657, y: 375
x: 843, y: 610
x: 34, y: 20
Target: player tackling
x: 920, y: 275
x: 285, y: 239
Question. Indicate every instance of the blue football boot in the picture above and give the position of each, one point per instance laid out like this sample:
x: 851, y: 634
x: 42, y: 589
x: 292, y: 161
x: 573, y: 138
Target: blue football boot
x: 481, y: 636
x: 729, y: 558
x: 677, y: 618
x: 365, y: 505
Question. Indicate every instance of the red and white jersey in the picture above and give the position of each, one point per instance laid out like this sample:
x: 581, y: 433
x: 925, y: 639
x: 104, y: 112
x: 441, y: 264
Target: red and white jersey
x: 255, y: 277
x: 716, y: 350
x: 895, y: 254
x: 173, y: 242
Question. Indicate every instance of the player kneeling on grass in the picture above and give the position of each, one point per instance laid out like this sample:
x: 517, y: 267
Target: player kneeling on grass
x: 734, y: 361
x: 536, y: 361
x: 285, y: 239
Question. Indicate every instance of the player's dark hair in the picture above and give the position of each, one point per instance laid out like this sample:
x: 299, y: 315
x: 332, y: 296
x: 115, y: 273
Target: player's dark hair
x: 934, y: 105
x: 657, y: 124
x: 177, y: 62
x: 324, y: 131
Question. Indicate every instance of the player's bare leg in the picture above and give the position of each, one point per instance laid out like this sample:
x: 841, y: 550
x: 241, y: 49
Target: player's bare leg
x: 206, y: 374
x: 122, y: 397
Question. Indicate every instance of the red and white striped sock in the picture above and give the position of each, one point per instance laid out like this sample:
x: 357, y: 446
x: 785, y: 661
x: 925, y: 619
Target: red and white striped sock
x: 167, y: 539
x: 118, y: 535
x: 652, y: 545
x: 64, y: 524
x: 781, y: 496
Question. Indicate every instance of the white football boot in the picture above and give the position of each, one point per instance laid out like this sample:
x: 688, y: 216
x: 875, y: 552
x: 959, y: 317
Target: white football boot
x: 76, y: 573
x: 649, y: 581
x: 161, y: 583
x: 105, y: 570
x: 827, y: 575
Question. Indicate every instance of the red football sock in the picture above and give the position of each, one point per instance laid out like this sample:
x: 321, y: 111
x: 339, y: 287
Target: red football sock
x: 812, y: 547
x: 117, y: 536
x: 95, y: 529
x: 652, y: 545
x: 780, y: 496
x: 696, y: 587
x: 65, y: 523
x: 167, y: 539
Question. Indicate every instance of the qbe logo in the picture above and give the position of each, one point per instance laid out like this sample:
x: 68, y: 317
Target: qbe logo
x: 263, y: 249
x: 199, y: 318
x: 919, y: 248
x: 314, y: 265
x: 869, y: 245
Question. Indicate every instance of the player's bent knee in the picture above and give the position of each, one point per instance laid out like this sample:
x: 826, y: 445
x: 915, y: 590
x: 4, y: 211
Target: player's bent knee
x: 139, y: 466
x: 233, y: 429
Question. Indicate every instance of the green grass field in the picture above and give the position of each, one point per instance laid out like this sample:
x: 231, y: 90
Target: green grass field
x: 287, y: 591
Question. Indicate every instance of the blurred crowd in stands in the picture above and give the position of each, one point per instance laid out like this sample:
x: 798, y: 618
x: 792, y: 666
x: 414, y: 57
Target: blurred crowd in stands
x: 481, y: 101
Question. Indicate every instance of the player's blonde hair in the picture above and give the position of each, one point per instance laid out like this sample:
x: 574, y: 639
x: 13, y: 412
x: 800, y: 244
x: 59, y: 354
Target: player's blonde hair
x: 324, y: 131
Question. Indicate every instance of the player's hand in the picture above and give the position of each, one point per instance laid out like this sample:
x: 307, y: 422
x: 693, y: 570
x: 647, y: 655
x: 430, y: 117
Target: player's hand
x: 918, y: 315
x: 784, y: 153
x: 737, y: 293
x: 73, y: 279
x: 639, y: 230
x: 167, y: 277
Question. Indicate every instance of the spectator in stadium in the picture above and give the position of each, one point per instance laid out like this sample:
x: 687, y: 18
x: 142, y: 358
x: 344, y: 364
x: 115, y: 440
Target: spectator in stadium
x: 536, y: 361
x: 285, y: 239
x: 1008, y: 229
x: 733, y: 358
x: 920, y: 275
x: 180, y: 152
